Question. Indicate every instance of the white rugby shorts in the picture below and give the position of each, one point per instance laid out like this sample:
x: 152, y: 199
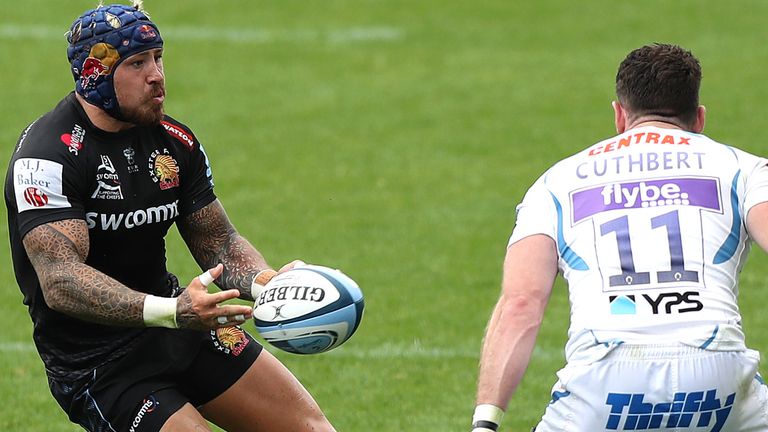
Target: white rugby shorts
x: 660, y: 388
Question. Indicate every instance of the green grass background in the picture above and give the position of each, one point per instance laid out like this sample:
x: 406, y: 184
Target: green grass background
x: 391, y: 139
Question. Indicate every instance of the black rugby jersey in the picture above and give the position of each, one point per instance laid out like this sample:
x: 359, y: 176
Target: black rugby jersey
x: 129, y: 187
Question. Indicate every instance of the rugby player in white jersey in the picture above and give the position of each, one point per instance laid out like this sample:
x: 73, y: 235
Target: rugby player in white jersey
x: 650, y: 229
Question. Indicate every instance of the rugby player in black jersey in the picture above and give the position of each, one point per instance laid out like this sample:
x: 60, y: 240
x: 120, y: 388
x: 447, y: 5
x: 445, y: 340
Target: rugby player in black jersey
x: 92, y: 188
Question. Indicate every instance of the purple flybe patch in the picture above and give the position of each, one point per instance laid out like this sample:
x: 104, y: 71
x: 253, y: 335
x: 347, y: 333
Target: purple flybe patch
x: 698, y: 192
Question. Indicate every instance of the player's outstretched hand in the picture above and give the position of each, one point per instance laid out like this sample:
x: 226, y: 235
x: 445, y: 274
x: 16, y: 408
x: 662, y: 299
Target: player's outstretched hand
x: 199, y: 310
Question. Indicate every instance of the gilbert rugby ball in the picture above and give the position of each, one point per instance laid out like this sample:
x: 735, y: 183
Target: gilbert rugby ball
x: 308, y: 309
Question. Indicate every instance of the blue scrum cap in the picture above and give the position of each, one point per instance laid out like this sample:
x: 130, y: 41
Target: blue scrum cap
x: 99, y: 40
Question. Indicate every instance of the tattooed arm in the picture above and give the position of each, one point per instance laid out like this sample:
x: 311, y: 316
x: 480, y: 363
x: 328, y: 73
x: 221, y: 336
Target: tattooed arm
x: 58, y: 251
x: 212, y: 239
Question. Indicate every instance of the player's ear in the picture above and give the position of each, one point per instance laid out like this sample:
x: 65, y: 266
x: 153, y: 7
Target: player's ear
x: 701, y: 114
x: 619, y: 117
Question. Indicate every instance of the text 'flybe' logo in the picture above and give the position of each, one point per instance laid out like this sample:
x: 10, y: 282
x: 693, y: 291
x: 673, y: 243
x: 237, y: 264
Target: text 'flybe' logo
x: 695, y: 409
x: 644, y: 195
x: 687, y: 191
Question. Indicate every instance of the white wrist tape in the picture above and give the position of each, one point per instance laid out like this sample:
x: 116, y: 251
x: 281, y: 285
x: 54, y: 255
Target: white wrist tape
x: 262, y: 278
x: 160, y: 311
x: 486, y: 418
x: 205, y: 278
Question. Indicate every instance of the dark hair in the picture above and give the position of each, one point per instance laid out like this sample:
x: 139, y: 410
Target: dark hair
x: 660, y: 80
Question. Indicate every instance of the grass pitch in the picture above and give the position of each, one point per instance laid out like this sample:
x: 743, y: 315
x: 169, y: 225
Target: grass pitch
x: 391, y: 139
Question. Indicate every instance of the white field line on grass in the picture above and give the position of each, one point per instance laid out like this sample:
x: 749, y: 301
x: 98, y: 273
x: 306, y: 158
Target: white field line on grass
x: 8, y: 347
x: 416, y: 349
x: 389, y: 350
x: 241, y: 35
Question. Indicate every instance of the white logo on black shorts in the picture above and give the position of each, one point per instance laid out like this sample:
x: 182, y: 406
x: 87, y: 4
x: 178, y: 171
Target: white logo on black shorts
x: 147, y: 407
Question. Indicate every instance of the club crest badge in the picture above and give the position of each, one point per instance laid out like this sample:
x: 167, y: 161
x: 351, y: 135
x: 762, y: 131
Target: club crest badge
x: 164, y: 169
x: 229, y: 340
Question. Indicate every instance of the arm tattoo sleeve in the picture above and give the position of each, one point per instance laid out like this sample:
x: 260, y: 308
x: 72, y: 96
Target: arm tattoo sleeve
x: 212, y: 239
x: 58, y: 251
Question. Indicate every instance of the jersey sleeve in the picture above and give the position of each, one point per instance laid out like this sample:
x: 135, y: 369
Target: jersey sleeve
x: 199, y: 192
x: 197, y: 184
x: 756, y: 184
x: 536, y: 214
x: 44, y: 181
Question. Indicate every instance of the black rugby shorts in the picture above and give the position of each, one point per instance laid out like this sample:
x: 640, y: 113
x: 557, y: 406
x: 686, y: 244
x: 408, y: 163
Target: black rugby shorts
x: 164, y: 370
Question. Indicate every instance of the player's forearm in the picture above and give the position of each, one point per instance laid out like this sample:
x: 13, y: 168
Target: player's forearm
x: 213, y: 240
x: 83, y: 292
x: 242, y: 262
x: 507, y: 349
x: 530, y: 268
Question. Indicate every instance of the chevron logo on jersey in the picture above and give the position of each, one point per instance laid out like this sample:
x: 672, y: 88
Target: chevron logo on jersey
x: 623, y: 305
x: 698, y: 409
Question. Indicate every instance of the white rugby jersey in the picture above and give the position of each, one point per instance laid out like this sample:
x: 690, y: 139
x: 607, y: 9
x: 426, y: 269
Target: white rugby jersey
x: 650, y: 231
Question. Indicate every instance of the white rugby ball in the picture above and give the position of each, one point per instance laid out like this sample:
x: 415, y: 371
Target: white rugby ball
x: 308, y: 309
